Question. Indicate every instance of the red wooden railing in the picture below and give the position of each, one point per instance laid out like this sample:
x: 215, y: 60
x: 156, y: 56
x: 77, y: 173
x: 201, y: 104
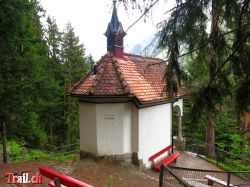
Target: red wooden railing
x: 64, y: 179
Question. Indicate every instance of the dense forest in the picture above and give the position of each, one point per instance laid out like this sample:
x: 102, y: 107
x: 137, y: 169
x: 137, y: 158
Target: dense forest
x: 38, y: 64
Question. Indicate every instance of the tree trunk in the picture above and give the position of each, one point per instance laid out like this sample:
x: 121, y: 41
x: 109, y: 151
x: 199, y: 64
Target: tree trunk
x: 245, y: 128
x: 210, y: 135
x: 4, y: 139
x: 51, y: 134
x: 245, y: 121
x: 210, y: 132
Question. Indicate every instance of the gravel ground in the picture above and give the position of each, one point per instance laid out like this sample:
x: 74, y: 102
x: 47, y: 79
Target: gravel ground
x: 101, y: 172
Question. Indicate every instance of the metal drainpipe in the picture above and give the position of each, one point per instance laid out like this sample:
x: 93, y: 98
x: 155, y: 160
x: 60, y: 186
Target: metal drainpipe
x: 172, y: 143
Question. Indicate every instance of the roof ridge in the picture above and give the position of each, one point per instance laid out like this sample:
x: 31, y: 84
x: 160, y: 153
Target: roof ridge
x: 148, y: 57
x: 98, y: 75
x: 123, y: 82
x: 156, y: 63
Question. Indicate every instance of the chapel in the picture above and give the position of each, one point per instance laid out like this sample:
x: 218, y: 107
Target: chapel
x: 124, y: 111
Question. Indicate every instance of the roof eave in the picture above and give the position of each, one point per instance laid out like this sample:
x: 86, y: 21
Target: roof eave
x: 121, y: 99
x: 146, y: 104
x: 104, y: 98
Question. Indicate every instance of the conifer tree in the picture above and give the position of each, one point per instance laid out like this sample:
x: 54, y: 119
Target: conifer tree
x: 23, y: 63
x: 76, y: 66
x: 32, y: 75
x: 188, y: 25
x: 73, y: 56
x: 216, y: 35
x: 240, y: 63
x: 55, y: 69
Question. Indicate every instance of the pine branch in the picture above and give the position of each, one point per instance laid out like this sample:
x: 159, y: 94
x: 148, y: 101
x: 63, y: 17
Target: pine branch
x: 228, y: 58
x: 204, y: 45
x: 178, y: 6
x: 144, y: 13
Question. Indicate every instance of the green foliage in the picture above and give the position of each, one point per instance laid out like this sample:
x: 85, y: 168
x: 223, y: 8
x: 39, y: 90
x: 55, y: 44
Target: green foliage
x: 39, y: 138
x: 63, y: 157
x: 18, y: 153
x: 39, y: 154
x: 73, y: 56
x: 15, y: 149
x: 38, y: 65
x: 109, y: 180
x: 218, y: 65
x: 232, y: 165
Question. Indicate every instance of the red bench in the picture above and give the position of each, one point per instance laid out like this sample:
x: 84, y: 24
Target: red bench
x: 165, y: 161
x: 65, y: 180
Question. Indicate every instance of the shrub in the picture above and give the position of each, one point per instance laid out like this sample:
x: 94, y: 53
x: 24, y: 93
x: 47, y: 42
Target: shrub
x: 15, y: 148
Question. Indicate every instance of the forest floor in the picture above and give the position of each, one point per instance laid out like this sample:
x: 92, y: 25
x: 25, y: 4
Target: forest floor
x: 100, y: 172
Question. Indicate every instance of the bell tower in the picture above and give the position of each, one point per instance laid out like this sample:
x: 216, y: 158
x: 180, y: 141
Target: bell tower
x: 115, y: 34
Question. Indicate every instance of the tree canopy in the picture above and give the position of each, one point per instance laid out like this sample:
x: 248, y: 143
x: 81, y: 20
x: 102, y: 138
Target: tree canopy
x: 38, y: 65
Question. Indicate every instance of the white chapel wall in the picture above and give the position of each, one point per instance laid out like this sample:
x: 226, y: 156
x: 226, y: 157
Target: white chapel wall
x: 119, y: 128
x: 109, y: 128
x: 154, y: 130
x: 87, y: 112
x: 179, y: 103
x: 114, y: 134
x: 106, y: 129
x: 127, y: 127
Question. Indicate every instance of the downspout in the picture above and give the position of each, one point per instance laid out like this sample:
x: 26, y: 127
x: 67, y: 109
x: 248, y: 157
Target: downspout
x: 172, y: 137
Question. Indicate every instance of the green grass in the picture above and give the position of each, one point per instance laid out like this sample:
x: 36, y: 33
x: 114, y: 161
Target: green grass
x: 38, y: 154
x: 63, y: 157
x: 16, y: 154
x: 235, y: 166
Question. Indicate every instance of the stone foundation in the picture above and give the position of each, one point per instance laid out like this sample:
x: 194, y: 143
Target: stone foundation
x: 126, y: 158
x: 136, y: 161
x: 179, y: 144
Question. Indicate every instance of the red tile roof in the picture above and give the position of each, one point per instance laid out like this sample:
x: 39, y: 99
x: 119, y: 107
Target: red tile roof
x: 129, y: 75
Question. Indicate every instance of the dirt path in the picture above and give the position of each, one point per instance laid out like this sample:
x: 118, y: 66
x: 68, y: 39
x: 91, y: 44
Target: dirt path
x: 93, y: 172
x: 96, y: 173
x: 190, y: 160
x: 99, y: 172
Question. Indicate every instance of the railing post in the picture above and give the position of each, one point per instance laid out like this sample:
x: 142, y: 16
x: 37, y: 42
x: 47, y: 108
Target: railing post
x: 57, y: 182
x: 218, y: 157
x: 161, y: 176
x: 4, y: 140
x: 228, y: 178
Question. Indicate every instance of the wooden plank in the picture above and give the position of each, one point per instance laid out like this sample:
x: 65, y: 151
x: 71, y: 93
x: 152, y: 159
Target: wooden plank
x: 171, y: 158
x: 212, y: 179
x: 196, y: 184
x: 168, y: 160
x: 160, y: 152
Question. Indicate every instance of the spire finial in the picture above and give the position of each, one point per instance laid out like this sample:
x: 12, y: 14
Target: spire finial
x: 115, y: 33
x: 114, y: 3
